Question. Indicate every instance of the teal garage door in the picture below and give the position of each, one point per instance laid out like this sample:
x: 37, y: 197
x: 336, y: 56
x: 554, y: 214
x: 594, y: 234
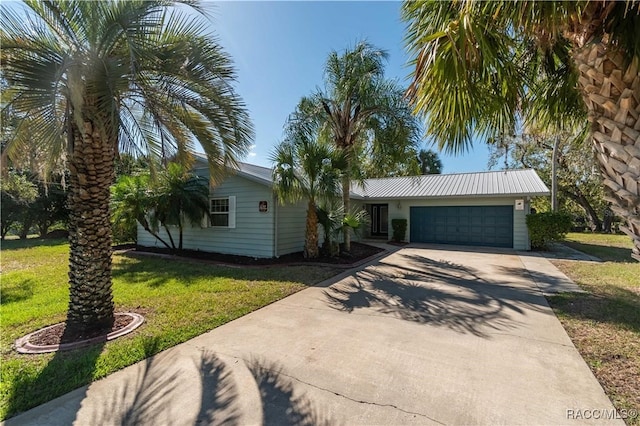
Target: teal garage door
x: 464, y: 225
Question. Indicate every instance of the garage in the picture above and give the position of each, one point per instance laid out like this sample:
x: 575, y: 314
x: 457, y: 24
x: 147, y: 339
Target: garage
x: 474, y: 209
x: 464, y: 225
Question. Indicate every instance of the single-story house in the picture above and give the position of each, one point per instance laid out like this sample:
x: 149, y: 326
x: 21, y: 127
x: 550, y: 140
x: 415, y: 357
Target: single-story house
x: 484, y: 209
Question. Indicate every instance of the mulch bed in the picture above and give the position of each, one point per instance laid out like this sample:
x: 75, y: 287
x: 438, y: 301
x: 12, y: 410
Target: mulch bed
x: 358, y: 252
x: 53, y: 335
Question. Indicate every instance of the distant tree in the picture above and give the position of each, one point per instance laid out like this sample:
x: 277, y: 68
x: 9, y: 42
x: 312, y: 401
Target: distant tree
x: 305, y: 169
x: 430, y: 163
x: 127, y: 164
x: 361, y: 113
x: 578, y: 181
x: 17, y: 193
x: 49, y: 208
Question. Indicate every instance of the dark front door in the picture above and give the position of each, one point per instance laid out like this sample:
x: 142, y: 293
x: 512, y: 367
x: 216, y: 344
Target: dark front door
x: 465, y: 225
x: 379, y: 219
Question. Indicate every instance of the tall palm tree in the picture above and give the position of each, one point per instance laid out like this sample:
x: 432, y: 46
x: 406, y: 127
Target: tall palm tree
x: 357, y: 107
x: 305, y: 168
x: 479, y: 65
x: 89, y: 78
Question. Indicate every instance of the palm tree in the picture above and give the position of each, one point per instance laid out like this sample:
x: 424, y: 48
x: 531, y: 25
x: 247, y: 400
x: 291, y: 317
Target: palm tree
x: 481, y: 65
x: 357, y: 107
x: 306, y: 169
x: 180, y: 197
x: 430, y: 163
x: 90, y: 78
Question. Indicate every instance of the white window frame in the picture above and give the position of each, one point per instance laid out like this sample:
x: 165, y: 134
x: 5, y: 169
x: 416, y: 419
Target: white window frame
x: 231, y: 223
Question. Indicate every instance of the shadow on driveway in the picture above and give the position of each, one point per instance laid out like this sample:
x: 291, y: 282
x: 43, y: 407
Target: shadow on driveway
x: 442, y: 293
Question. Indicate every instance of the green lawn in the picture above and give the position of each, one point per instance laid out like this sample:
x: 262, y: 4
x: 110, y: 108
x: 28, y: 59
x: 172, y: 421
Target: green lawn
x: 604, y: 323
x: 179, y: 300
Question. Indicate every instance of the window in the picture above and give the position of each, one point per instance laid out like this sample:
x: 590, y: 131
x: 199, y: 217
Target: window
x: 222, y: 212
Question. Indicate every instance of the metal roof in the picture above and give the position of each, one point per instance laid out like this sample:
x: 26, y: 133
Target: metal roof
x: 498, y: 183
x: 259, y: 174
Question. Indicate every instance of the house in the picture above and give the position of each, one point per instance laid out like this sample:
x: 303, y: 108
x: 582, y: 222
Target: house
x: 484, y: 209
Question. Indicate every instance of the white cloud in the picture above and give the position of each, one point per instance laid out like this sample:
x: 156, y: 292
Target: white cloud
x: 252, y: 154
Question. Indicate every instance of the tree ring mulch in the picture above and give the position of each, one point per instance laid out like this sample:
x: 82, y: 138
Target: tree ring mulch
x: 48, y: 339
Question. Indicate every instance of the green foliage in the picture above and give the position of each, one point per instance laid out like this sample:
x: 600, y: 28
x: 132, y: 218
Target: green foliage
x: 547, y: 227
x: 175, y: 198
x: 330, y: 218
x: 399, y: 227
x: 17, y: 193
x: 430, y: 163
x: 355, y: 221
x: 131, y: 201
x: 580, y: 190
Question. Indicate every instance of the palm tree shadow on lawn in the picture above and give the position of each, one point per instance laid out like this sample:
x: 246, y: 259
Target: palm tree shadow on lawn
x: 437, y: 293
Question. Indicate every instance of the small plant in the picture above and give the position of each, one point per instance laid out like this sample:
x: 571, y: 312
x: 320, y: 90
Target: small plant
x: 399, y: 229
x: 547, y: 227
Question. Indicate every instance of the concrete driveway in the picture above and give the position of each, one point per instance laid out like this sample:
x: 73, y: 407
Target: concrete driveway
x: 421, y: 336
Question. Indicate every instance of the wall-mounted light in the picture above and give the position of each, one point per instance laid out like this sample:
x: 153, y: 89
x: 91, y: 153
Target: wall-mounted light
x: 399, y: 205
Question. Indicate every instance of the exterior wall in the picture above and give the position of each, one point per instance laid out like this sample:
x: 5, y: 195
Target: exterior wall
x: 400, y: 209
x: 520, y: 232
x: 254, y: 231
x: 291, y: 227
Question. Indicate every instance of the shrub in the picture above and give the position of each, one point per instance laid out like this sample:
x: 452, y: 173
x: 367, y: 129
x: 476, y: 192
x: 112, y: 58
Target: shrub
x: 547, y: 227
x: 399, y: 229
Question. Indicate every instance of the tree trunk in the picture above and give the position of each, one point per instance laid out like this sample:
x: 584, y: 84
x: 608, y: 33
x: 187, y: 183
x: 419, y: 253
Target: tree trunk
x: 611, y: 91
x: 582, y: 201
x: 91, y: 168
x: 346, y: 201
x: 311, y: 235
x: 554, y: 174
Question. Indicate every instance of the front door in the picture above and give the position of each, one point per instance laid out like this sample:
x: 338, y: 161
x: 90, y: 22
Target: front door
x: 379, y: 219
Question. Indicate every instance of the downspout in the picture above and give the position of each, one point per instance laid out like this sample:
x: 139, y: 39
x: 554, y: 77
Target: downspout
x: 275, y: 225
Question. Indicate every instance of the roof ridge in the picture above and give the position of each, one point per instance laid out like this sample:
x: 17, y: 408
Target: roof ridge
x: 453, y: 174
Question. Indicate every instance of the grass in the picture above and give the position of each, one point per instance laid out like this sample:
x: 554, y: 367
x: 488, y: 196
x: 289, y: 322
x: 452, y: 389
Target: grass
x: 179, y: 300
x: 604, y: 323
x: 608, y: 247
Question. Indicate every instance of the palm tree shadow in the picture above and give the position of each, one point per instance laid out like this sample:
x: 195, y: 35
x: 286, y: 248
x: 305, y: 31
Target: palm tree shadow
x: 437, y: 293
x: 149, y: 396
x: 282, y: 404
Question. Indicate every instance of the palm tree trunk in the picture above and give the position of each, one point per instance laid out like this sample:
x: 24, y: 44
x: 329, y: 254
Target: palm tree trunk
x: 346, y: 201
x: 166, y: 228
x: 311, y: 235
x: 91, y: 169
x: 611, y: 90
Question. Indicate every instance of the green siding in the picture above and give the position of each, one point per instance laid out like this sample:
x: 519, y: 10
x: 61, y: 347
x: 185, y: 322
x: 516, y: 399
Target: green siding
x: 292, y: 222
x: 253, y: 234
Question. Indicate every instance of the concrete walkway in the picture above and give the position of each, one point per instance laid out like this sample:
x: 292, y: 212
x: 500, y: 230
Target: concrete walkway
x: 422, y: 336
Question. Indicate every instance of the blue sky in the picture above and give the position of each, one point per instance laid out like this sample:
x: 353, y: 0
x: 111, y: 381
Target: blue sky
x: 279, y: 50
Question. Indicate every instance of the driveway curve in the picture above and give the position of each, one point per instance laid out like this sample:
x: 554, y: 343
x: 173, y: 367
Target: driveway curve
x: 424, y: 335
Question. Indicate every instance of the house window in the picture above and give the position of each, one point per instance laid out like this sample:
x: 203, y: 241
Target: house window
x: 222, y: 212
